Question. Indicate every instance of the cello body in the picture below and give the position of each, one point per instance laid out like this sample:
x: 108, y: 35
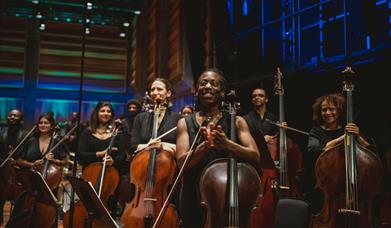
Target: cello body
x: 385, y: 205
x: 92, y: 173
x: 10, y: 186
x: 369, y: 173
x: 134, y: 213
x: 214, y: 186
x: 263, y: 215
x: 349, y: 175
x: 278, y: 180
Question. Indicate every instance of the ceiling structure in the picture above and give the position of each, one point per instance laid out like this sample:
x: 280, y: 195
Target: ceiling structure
x: 99, y: 12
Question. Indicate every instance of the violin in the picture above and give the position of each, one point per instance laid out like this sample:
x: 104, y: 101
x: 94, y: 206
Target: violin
x: 279, y: 181
x: 228, y: 188
x: 349, y: 176
x: 151, y: 172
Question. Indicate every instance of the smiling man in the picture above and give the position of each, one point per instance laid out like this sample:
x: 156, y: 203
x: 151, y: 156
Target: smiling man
x: 210, y: 92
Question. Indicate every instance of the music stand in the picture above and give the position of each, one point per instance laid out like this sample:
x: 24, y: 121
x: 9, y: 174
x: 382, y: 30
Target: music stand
x: 37, y: 186
x: 96, y: 210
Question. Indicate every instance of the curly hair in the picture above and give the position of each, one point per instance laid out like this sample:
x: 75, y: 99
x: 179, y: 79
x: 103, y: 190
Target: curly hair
x: 336, y: 99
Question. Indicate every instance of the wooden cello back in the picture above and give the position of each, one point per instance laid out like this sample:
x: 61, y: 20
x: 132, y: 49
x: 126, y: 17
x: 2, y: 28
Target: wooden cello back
x: 349, y: 176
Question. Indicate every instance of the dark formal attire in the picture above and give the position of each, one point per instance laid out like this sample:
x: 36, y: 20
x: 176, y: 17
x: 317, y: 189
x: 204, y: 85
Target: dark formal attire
x: 142, y: 128
x: 89, y: 145
x: 10, y: 137
x: 257, y: 124
x: 32, y: 153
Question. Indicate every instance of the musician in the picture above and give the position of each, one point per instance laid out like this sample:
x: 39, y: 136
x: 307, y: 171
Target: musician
x: 187, y: 110
x: 33, y: 158
x: 328, y: 116
x: 10, y: 136
x: 258, y: 118
x: 160, y: 92
x: 68, y: 125
x: 210, y: 89
x: 32, y: 155
x: 134, y: 108
x: 94, y: 140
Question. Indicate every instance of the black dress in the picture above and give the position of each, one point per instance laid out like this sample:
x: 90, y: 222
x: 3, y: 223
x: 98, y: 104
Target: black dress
x: 31, y: 151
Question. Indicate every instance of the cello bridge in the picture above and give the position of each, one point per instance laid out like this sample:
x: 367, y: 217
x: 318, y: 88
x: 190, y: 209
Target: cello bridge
x: 150, y: 199
x: 349, y: 211
x: 284, y: 187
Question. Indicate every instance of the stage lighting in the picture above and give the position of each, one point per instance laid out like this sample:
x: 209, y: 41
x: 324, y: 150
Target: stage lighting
x: 42, y: 26
x: 89, y: 5
x: 38, y: 15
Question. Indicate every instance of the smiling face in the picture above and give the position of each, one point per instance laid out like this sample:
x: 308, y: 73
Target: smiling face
x: 159, y: 92
x: 329, y: 113
x: 258, y: 97
x: 210, y: 88
x: 104, y: 114
x: 44, y: 125
x: 14, y: 117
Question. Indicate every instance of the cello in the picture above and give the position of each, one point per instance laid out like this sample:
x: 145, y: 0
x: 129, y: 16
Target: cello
x: 280, y: 181
x: 9, y: 184
x: 105, y: 180
x: 229, y: 188
x: 152, y: 173
x: 385, y: 205
x: 45, y: 215
x: 349, y: 175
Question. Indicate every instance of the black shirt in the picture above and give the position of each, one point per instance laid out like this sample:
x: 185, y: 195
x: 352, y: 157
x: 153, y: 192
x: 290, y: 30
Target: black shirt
x: 257, y: 124
x: 142, y: 128
x: 8, y: 138
x: 89, y: 145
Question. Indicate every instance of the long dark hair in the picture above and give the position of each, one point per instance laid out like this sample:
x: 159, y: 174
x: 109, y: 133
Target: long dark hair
x: 49, y: 118
x: 94, y: 122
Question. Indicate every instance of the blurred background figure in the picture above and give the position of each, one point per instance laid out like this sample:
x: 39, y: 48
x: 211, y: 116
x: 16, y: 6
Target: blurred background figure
x: 187, y: 110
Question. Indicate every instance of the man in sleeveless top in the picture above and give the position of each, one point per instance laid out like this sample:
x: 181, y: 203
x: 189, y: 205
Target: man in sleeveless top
x: 213, y: 145
x: 10, y: 136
